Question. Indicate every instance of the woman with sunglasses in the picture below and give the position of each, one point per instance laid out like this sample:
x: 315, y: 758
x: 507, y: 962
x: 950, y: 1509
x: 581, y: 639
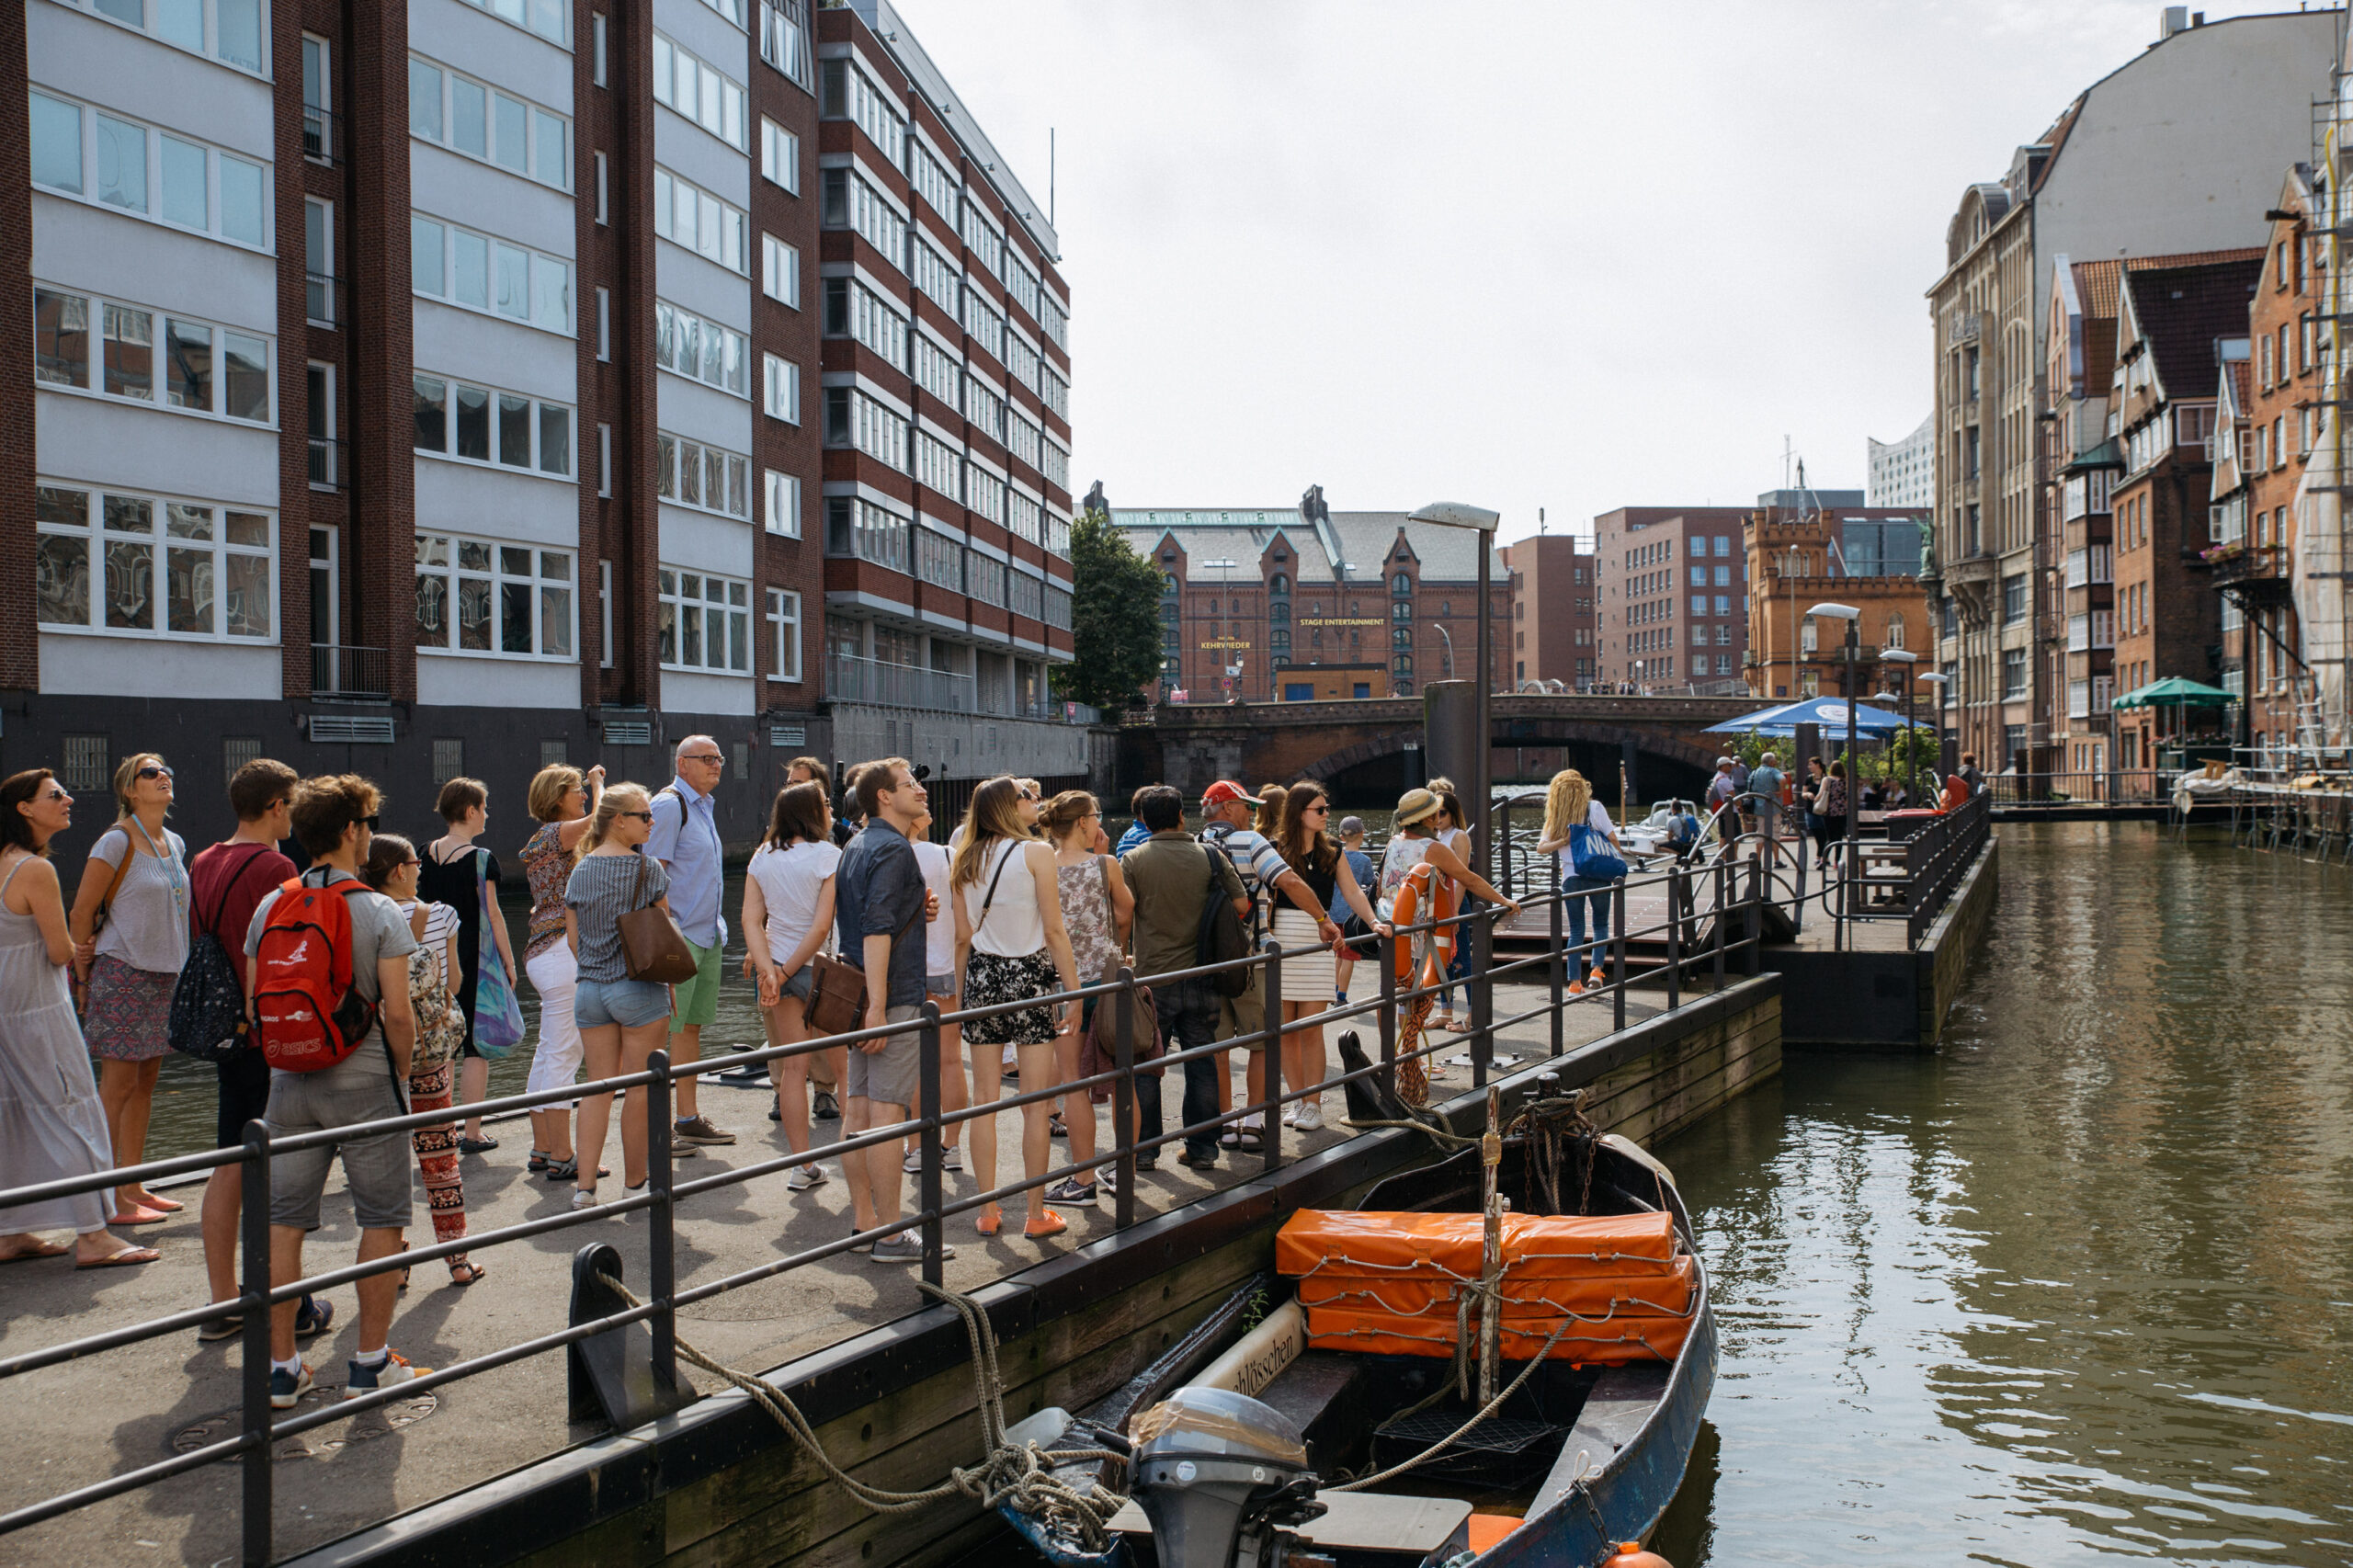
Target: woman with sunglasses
x: 622, y: 1021
x: 51, y: 1127
x: 129, y: 945
x: 1305, y: 840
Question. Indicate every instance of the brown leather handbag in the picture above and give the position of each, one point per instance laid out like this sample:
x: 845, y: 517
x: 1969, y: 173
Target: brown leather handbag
x: 836, y: 1002
x: 653, y: 948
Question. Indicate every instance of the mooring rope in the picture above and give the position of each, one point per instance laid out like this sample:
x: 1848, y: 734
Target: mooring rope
x: 1021, y: 1475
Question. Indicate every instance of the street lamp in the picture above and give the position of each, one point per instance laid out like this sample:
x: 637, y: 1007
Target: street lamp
x: 1442, y: 631
x: 1906, y: 658
x: 1853, y: 617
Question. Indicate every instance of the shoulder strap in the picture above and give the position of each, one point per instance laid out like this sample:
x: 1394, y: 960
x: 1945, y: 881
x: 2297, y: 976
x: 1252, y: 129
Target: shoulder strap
x: 220, y: 904
x: 1103, y: 873
x: 12, y: 875
x: 637, y: 892
x: 121, y: 870
x: 1012, y: 847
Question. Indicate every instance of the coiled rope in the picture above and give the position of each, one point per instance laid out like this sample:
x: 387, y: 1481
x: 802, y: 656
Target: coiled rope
x: 1019, y: 1475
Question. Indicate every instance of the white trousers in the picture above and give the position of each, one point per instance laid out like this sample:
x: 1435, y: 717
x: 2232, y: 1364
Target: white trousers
x: 555, y: 1062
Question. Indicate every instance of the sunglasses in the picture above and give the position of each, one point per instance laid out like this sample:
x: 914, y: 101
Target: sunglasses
x: 642, y: 816
x: 1318, y: 810
x: 371, y: 822
x: 56, y: 794
x: 154, y: 770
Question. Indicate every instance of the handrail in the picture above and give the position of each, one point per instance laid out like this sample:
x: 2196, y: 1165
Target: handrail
x: 259, y: 1428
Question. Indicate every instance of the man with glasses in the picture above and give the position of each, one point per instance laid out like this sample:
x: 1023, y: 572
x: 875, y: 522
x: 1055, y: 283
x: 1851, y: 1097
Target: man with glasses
x: 686, y: 840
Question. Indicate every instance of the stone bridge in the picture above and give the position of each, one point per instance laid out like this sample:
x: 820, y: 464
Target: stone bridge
x: 1369, y: 748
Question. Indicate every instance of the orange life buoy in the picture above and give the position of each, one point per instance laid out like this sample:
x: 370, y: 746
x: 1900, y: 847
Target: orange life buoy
x: 1630, y: 1554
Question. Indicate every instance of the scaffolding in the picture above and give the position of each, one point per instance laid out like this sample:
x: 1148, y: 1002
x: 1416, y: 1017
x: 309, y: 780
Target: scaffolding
x: 2320, y: 587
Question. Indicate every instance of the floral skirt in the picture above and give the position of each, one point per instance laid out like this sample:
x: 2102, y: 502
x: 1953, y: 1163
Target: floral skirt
x: 128, y: 1011
x: 991, y: 980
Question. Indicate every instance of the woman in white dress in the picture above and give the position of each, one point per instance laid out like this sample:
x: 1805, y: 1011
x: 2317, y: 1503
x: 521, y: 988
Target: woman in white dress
x: 1311, y: 980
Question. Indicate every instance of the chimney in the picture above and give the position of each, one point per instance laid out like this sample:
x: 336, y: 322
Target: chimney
x: 2171, y: 20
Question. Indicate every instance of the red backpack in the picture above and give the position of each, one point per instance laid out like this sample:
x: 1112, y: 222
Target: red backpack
x: 308, y: 1015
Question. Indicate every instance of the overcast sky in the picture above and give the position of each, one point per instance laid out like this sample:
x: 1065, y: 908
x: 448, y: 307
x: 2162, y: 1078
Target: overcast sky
x: 1575, y: 255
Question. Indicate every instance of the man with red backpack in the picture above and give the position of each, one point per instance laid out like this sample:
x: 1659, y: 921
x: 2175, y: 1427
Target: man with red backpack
x: 327, y: 981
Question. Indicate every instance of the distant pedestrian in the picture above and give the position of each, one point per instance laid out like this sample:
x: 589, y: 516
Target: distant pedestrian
x: 563, y: 799
x: 1308, y: 848
x: 1096, y: 909
x: 1834, y: 807
x: 52, y: 1127
x: 1723, y: 790
x: 1172, y: 878
x: 130, y: 943
x: 391, y: 870
x: 331, y: 820
x: 1766, y: 783
x: 789, y: 891
x: 1136, y: 832
x: 686, y: 840
x: 1352, y: 840
x: 460, y: 873
x: 1572, y: 810
x: 1970, y: 774
x: 622, y: 1021
x: 1452, y: 828
x: 1815, y: 791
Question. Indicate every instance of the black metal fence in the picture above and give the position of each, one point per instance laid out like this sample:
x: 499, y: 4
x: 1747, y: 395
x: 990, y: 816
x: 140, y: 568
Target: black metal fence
x: 1937, y: 856
x: 1731, y: 936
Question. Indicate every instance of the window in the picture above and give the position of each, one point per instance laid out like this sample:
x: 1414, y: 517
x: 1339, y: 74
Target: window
x: 549, y: 18
x: 97, y: 566
x: 846, y: 92
x: 208, y: 368
x: 853, y: 309
x: 1699, y: 604
x: 940, y: 560
x: 109, y: 161
x: 703, y: 622
x: 1056, y: 467
x: 1723, y: 604
x: 318, y: 139
x: 1022, y: 438
x: 783, y: 504
x: 231, y: 31
x: 597, y: 38
x: 604, y: 611
x: 780, y: 156
x: 984, y: 579
x: 1699, y: 576
x: 476, y: 272
x: 604, y: 323
x: 984, y: 494
x: 700, y: 92
x: 604, y: 460
x: 937, y: 465
x: 686, y: 215
x: 2014, y: 672
x: 1894, y: 635
x: 935, y: 369
x: 486, y: 124
x: 1054, y: 390
x: 982, y: 234
x: 930, y: 179
x: 853, y: 418
x: 484, y: 425
x: 985, y: 324
x: 701, y: 350
x: 780, y: 384
x: 984, y: 407
x: 692, y: 474
x: 935, y: 275
x: 1057, y: 606
x: 780, y: 271
x: 477, y: 596
x: 784, y: 634
x: 1022, y: 359
x: 318, y: 260
x: 604, y: 208
x: 851, y: 202
x: 784, y: 39
x: 1808, y: 638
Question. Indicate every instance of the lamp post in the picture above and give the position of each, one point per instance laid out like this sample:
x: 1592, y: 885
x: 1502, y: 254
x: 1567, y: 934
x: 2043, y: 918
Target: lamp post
x: 1455, y: 515
x: 1906, y: 658
x: 1853, y: 617
x: 1442, y: 631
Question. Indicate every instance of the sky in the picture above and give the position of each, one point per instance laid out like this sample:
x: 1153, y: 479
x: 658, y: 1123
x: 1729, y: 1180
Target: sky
x: 1567, y: 255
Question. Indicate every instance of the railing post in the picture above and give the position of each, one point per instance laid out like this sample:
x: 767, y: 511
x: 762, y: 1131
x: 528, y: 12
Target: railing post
x: 1556, y: 977
x: 1722, y: 915
x: 1479, y: 979
x: 1673, y: 936
x: 253, y: 1299
x: 1386, y: 949
x: 1617, y: 953
x: 1270, y: 1135
x: 661, y: 1241
x: 1756, y: 921
x: 935, y: 1227
x: 1123, y: 1100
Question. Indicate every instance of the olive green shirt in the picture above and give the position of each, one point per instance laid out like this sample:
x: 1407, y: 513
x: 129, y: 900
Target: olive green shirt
x: 1169, y: 874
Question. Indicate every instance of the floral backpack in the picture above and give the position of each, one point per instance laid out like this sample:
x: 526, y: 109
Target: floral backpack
x: 440, y: 1024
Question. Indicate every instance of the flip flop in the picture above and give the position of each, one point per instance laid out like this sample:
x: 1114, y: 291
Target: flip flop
x: 39, y: 1249
x: 140, y: 1217
x: 126, y: 1258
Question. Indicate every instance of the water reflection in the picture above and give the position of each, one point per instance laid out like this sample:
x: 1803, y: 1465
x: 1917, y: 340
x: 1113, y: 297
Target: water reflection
x: 2078, y: 1287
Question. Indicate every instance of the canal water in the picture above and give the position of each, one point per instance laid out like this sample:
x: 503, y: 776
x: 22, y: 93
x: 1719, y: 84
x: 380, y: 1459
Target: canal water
x: 2079, y: 1287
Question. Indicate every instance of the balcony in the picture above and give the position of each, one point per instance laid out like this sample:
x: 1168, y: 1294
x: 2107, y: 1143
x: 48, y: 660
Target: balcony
x: 2252, y: 573
x: 318, y: 299
x: 321, y: 135
x: 350, y: 675
x: 853, y: 679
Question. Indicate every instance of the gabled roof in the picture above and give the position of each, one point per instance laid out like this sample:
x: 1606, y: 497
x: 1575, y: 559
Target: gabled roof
x: 2096, y: 281
x: 2180, y: 312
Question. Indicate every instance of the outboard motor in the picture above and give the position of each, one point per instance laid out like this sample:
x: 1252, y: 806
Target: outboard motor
x: 1220, y: 1476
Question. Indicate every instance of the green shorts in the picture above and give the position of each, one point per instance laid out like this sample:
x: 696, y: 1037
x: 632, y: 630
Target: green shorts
x: 698, y: 997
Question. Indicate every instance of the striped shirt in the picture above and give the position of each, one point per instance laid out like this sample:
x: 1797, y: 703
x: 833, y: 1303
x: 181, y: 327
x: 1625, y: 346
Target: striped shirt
x: 602, y: 889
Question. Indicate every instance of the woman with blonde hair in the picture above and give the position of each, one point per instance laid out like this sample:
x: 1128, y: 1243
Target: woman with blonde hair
x: 561, y: 800
x: 1570, y: 804
x: 129, y: 944
x: 1096, y: 909
x: 622, y: 1021
x: 1266, y: 816
x: 1011, y: 946
x: 1304, y: 839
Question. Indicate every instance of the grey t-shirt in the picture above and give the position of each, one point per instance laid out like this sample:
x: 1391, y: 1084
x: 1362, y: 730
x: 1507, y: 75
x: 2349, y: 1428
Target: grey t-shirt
x: 379, y: 931
x: 602, y: 889
x: 147, y: 923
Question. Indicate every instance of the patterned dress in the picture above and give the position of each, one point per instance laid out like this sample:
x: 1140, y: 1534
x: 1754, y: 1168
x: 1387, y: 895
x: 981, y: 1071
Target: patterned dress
x: 433, y: 1069
x: 1088, y: 917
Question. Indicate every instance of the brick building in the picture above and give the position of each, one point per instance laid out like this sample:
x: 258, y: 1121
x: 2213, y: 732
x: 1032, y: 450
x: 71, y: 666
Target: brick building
x: 624, y: 367
x: 1272, y: 592
x: 2267, y: 418
x: 1805, y: 547
x: 2177, y: 328
x: 1672, y: 613
x: 1554, y: 626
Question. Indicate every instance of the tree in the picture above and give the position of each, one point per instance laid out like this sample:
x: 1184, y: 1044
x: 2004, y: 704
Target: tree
x: 1114, y: 617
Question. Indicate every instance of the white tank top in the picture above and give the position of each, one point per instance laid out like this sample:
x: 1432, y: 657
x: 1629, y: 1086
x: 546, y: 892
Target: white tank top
x: 1014, y: 928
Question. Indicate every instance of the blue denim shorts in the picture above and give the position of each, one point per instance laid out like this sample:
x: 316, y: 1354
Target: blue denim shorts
x: 632, y: 1004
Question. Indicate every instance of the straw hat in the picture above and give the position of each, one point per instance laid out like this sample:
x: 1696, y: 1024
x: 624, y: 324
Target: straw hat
x: 1415, y: 805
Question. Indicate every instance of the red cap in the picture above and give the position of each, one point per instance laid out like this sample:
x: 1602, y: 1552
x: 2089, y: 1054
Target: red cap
x: 1222, y: 791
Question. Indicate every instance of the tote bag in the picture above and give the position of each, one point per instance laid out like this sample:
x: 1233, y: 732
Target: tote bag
x: 498, y: 1015
x: 1589, y: 855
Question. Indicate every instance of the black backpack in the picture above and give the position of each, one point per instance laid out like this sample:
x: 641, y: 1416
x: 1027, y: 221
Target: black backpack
x: 207, y: 1015
x: 1221, y: 938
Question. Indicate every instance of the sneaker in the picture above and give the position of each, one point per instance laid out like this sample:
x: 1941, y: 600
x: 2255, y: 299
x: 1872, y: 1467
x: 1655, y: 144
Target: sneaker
x: 913, y: 1163
x: 699, y: 1129
x: 1070, y: 1190
x: 220, y: 1328
x: 1193, y: 1162
x: 1291, y: 1115
x: 1596, y: 979
x: 1311, y: 1116
x: 804, y: 1177
x: 904, y: 1248
x: 1107, y: 1180
x: 954, y: 1158
x: 584, y: 1198
x: 311, y: 1318
x: 827, y: 1107
x: 1147, y: 1162
x: 286, y: 1387
x: 681, y: 1150
x: 1576, y: 988
x: 1055, y: 1127
x: 394, y: 1369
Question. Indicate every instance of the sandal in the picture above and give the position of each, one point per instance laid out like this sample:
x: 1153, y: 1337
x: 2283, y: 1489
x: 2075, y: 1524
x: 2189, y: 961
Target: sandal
x: 471, y: 1272
x: 1048, y: 1223
x: 1054, y: 1128
x: 403, y: 1271
x: 569, y: 1170
x: 991, y: 1222
x: 539, y: 1161
x: 476, y: 1145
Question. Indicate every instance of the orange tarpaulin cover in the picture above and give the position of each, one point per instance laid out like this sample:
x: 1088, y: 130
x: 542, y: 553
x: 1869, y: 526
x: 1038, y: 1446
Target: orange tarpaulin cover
x: 1450, y: 1246
x: 1668, y: 1292
x: 1626, y: 1337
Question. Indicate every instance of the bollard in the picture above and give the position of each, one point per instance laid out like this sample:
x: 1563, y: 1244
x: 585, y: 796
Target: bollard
x: 935, y: 1235
x: 253, y: 1301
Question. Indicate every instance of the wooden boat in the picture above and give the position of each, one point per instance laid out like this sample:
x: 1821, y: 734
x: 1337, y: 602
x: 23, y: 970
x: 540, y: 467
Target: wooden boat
x: 1240, y: 1433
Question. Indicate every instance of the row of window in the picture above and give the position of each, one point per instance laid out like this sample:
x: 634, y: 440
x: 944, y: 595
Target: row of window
x: 115, y: 561
x: 111, y: 161
x: 853, y: 309
x: 549, y: 18
x: 701, y: 350
x: 858, y: 529
x: 147, y: 357
x: 477, y: 272
x: 481, y: 121
x: 484, y: 425
x: 700, y: 92
x: 688, y: 215
x: 476, y: 597
x: 705, y: 477
x: 849, y: 201
x: 780, y: 271
x: 234, y: 32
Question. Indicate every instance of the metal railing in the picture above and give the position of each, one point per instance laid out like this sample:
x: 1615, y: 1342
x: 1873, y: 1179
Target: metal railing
x: 850, y: 678
x: 327, y: 463
x: 338, y: 671
x: 319, y: 290
x: 2128, y: 787
x: 1937, y: 855
x: 1395, y: 1012
x: 322, y: 134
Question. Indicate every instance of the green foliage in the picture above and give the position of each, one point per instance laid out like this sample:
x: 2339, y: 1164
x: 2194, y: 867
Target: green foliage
x: 1114, y: 617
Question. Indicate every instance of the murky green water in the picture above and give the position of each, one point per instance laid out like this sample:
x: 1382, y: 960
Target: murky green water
x: 2080, y: 1287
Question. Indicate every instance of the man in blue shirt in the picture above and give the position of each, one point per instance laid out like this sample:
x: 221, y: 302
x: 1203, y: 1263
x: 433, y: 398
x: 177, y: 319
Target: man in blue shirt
x: 1764, y: 779
x: 1137, y: 832
x: 686, y: 840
